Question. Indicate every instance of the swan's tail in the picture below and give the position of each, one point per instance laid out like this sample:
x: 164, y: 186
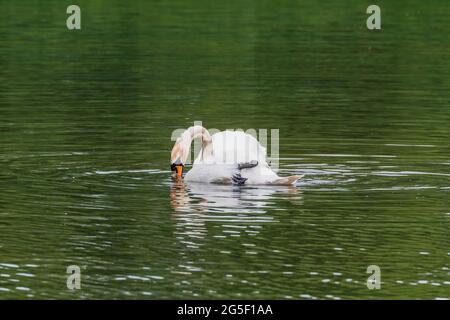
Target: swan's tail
x: 286, y: 181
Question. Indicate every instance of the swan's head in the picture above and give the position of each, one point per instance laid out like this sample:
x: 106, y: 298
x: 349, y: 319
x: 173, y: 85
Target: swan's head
x: 181, y: 149
x: 178, y: 157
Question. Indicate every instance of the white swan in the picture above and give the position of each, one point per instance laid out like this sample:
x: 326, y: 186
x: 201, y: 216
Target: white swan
x: 227, y: 157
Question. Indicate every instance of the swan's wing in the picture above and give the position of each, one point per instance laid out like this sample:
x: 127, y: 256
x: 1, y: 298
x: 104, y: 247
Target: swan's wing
x: 237, y: 146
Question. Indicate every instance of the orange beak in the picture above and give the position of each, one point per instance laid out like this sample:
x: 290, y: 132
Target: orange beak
x: 179, y: 171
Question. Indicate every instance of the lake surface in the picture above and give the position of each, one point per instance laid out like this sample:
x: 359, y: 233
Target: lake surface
x: 86, y: 119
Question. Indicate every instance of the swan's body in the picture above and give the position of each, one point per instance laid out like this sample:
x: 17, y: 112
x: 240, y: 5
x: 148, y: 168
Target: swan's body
x: 220, y: 155
x: 229, y: 149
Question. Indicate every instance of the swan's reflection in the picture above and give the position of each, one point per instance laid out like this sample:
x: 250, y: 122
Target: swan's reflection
x: 201, y: 197
x: 237, y: 211
x: 239, y: 207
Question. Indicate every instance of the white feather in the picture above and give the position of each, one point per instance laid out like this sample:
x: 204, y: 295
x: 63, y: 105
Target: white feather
x: 228, y: 149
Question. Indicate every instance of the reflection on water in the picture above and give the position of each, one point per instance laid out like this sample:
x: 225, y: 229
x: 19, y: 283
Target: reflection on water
x: 85, y: 126
x: 237, y: 209
x: 200, y: 197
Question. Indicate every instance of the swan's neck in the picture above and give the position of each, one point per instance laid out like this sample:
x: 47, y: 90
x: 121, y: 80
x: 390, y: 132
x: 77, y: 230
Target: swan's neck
x: 198, y: 132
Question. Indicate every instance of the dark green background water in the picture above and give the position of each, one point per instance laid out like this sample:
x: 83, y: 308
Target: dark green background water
x: 85, y: 124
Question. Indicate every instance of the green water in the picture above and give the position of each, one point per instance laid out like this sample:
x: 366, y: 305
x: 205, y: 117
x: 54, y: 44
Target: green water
x: 85, y: 123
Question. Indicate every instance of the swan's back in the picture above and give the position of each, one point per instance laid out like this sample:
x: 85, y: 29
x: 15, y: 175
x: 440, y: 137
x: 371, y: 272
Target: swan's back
x: 237, y: 146
x: 228, y: 149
